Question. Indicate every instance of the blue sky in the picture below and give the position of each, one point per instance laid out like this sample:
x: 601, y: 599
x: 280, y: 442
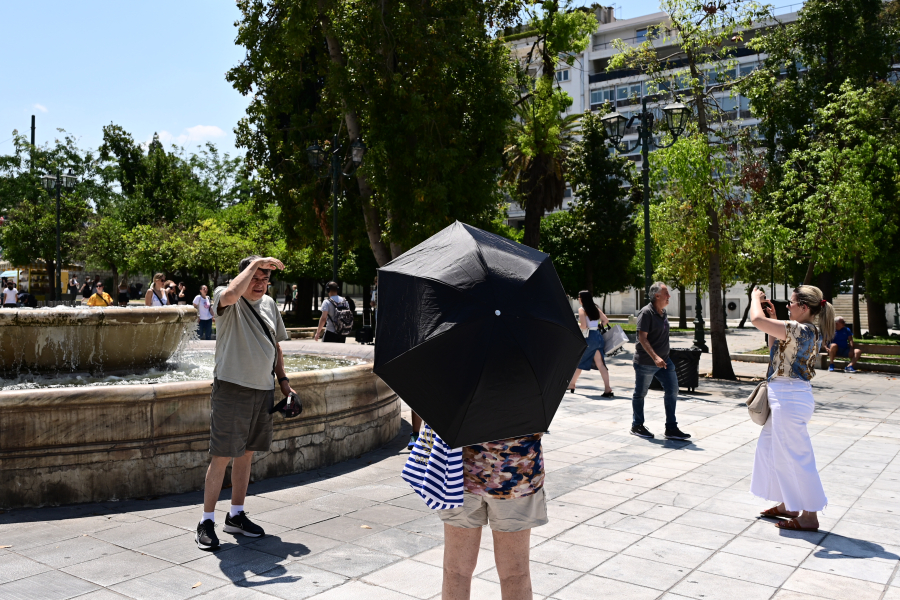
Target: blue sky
x: 148, y: 66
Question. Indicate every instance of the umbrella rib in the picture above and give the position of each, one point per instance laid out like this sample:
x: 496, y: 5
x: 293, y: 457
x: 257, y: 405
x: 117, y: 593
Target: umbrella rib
x: 470, y: 398
x: 537, y: 382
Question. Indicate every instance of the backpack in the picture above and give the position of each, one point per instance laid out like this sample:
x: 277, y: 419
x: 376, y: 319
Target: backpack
x: 343, y: 323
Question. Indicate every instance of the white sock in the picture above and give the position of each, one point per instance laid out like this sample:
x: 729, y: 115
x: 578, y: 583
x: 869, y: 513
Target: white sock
x: 235, y: 509
x: 209, y: 515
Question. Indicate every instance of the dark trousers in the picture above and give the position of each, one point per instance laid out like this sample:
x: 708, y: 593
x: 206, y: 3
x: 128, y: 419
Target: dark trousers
x: 334, y: 338
x: 643, y: 374
x: 204, y: 329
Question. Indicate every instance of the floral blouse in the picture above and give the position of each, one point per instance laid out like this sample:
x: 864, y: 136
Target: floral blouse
x: 795, y: 357
x: 506, y: 469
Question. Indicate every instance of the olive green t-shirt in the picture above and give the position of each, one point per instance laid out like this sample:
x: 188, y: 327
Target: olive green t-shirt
x: 244, y: 354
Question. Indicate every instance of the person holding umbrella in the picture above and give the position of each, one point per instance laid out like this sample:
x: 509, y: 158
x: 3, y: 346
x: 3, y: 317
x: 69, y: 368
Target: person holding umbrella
x: 590, y: 317
x: 496, y: 310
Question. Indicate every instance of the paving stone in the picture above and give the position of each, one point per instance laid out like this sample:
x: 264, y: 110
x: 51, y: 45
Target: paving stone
x: 591, y: 587
x: 135, y: 535
x: 575, y: 513
x: 411, y: 577
x: 350, y: 560
x: 386, y: 514
x: 236, y: 564
x: 182, y: 549
x: 723, y: 523
x: 375, y: 492
x: 868, y: 569
x: 105, y: 594
x: 116, y: 568
x: 18, y: 567
x: 398, y: 542
x: 570, y: 556
x: 744, y: 568
x: 175, y: 583
x: 641, y: 571
x: 671, y: 553
x: 695, y: 536
x: 599, y: 537
x: 69, y: 552
x: 714, y: 587
x: 293, y: 545
x: 359, y: 590
x: 545, y: 579
x: 51, y: 585
x: 430, y: 525
x: 637, y: 525
x: 833, y: 587
x: 295, y: 516
x: 293, y: 581
x: 435, y: 557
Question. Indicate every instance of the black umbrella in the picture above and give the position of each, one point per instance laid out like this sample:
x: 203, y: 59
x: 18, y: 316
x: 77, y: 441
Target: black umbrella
x: 476, y: 334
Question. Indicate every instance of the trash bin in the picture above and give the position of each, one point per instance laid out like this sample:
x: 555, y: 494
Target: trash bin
x: 687, y: 368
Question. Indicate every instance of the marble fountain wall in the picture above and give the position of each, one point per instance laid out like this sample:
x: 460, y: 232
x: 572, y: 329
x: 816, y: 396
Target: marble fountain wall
x: 87, y: 444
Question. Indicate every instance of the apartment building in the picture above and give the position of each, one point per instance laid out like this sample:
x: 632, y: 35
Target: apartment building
x: 590, y: 85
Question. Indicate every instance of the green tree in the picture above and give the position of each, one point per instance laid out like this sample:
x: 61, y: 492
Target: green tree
x: 424, y: 85
x: 706, y: 36
x: 106, y: 244
x: 603, y: 213
x: 540, y: 137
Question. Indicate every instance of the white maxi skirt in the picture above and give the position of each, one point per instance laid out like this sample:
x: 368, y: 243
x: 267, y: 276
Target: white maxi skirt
x: 784, y: 469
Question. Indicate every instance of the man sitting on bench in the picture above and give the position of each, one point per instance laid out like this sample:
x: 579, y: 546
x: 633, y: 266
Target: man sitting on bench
x: 842, y: 346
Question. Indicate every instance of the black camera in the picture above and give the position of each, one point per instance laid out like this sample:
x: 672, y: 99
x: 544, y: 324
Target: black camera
x: 289, y: 407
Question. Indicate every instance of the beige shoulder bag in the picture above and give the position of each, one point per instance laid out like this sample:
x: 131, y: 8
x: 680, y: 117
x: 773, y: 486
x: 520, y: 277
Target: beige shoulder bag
x: 758, y: 404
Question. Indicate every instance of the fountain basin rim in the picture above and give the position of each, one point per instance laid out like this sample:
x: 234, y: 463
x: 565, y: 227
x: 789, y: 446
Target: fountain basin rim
x: 53, y: 398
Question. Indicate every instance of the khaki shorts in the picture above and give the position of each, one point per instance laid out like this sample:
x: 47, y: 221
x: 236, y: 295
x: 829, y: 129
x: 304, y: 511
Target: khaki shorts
x: 505, y: 515
x: 240, y: 419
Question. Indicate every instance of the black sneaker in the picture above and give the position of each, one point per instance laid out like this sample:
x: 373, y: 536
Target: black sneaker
x: 206, y: 537
x: 676, y: 434
x: 641, y: 431
x: 412, y: 440
x: 241, y: 524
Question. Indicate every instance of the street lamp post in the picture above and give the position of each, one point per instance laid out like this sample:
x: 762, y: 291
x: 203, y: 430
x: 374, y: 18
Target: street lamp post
x: 616, y: 124
x: 316, y: 156
x: 50, y: 183
x: 699, y: 333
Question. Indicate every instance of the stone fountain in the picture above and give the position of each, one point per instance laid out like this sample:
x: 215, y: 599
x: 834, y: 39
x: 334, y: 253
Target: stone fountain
x: 91, y: 339
x: 86, y: 444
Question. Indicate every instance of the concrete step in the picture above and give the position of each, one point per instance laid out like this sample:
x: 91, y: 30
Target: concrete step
x: 843, y: 307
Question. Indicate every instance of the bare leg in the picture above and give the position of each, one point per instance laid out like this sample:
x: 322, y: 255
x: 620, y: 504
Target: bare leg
x: 856, y: 354
x: 808, y: 519
x: 511, y: 553
x: 783, y: 509
x: 832, y: 353
x: 574, y: 379
x: 215, y: 474
x: 240, y: 477
x: 604, y: 372
x: 460, y: 555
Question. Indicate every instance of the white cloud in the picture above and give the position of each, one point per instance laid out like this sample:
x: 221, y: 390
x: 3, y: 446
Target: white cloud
x: 40, y: 107
x: 191, y: 136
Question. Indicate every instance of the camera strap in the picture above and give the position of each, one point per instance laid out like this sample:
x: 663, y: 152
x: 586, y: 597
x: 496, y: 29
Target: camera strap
x: 265, y: 328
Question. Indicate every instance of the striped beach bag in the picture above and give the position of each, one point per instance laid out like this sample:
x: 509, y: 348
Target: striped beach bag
x: 434, y: 470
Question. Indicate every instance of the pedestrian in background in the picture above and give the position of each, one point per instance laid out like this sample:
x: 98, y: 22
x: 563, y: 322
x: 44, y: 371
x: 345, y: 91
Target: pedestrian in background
x: 182, y: 293
x: 205, y: 319
x: 10, y: 295
x: 100, y: 298
x: 332, y: 309
x: 651, y: 359
x: 784, y: 468
x: 123, y: 292
x: 86, y: 288
x: 171, y: 292
x: 590, y: 318
x: 73, y: 286
x: 156, y: 293
x: 503, y: 485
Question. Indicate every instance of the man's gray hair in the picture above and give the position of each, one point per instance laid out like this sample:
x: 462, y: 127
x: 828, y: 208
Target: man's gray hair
x: 247, y: 262
x: 839, y: 319
x: 655, y: 289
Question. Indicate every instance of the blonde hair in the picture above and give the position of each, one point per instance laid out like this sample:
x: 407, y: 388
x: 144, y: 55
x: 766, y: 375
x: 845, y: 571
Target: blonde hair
x: 159, y: 277
x: 812, y: 297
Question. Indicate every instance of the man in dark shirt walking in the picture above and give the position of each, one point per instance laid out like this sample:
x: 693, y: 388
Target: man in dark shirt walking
x: 651, y: 359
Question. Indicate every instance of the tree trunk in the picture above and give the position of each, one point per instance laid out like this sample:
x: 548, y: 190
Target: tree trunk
x: 370, y: 213
x: 877, y: 312
x: 857, y: 324
x: 534, y: 212
x: 826, y: 284
x: 682, y: 307
x: 750, y: 289
x: 721, y: 358
x: 810, y: 271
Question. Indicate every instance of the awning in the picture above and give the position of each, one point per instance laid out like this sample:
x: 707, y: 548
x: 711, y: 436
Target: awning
x: 9, y: 274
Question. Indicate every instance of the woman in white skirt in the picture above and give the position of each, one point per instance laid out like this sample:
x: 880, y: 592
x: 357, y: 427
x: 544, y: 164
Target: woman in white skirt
x: 784, y: 469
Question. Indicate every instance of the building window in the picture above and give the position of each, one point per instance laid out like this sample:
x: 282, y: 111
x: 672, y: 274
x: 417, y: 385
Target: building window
x: 627, y: 95
x: 567, y: 193
x: 562, y: 75
x: 642, y: 35
x: 603, y: 96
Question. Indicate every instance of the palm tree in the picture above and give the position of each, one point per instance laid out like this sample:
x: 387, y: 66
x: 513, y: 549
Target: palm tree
x: 535, y: 156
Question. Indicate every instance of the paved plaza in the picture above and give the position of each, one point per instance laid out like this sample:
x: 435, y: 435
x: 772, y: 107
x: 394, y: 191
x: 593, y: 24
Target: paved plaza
x: 629, y: 518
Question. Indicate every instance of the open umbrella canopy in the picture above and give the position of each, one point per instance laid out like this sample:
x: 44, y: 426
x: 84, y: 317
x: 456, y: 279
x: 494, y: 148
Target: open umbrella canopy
x: 476, y: 334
